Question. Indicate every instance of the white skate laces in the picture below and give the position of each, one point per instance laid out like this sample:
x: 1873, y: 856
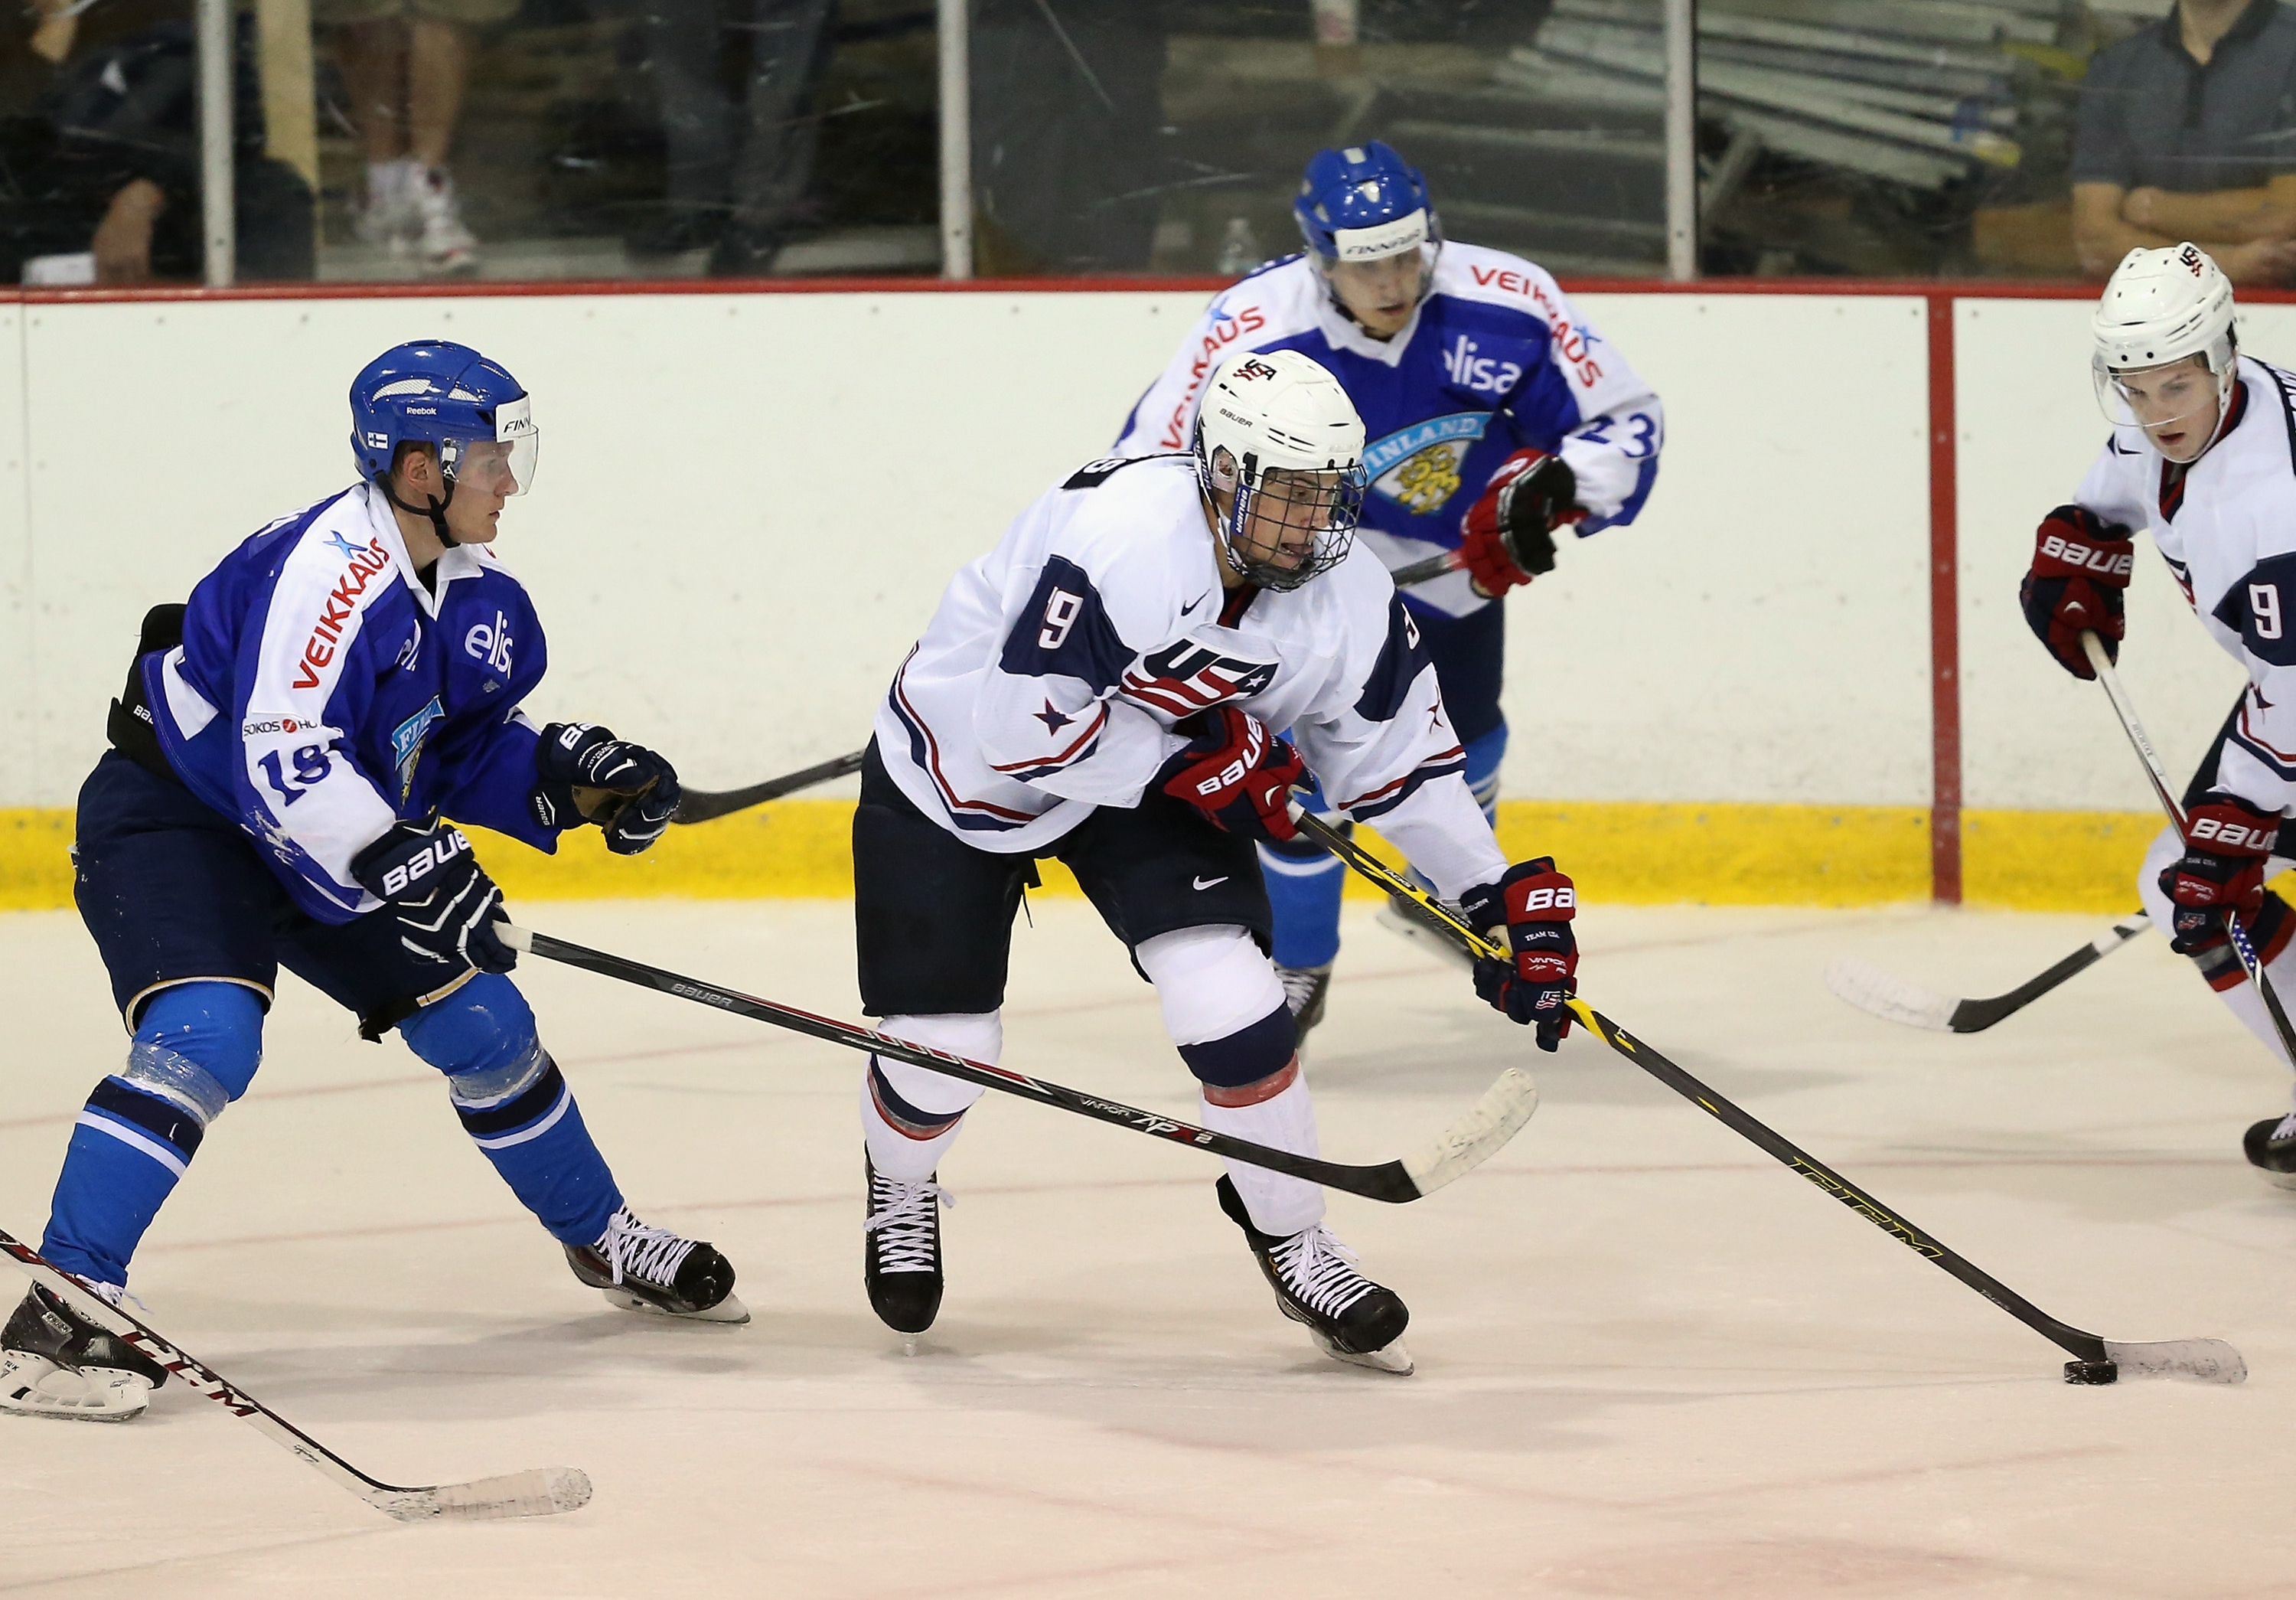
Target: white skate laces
x: 1320, y: 1271
x: 634, y: 1250
x: 1299, y: 984
x: 2287, y: 1129
x: 901, y: 1216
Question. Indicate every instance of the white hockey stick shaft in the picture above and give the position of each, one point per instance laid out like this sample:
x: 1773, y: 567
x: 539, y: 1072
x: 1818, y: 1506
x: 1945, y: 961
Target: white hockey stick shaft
x: 540, y: 1492
x: 2241, y: 948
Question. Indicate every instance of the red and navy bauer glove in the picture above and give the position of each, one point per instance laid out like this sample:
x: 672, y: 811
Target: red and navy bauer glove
x: 1535, y: 904
x: 1236, y: 773
x: 584, y: 774
x: 1508, y: 535
x: 2221, y: 872
x: 2081, y: 564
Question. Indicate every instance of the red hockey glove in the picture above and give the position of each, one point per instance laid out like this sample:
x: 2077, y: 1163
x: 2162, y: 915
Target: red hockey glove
x: 2081, y: 565
x: 1236, y: 773
x: 1535, y: 904
x: 2221, y: 871
x: 1508, y: 535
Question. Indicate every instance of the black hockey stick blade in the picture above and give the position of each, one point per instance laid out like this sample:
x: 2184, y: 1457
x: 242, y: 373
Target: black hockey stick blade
x: 1871, y: 990
x: 1494, y: 1119
x: 543, y: 1491
x: 2097, y: 1360
x: 707, y: 805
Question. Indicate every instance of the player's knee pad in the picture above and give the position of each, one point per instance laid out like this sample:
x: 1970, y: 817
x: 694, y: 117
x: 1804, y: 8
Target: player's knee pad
x: 1484, y: 753
x: 922, y: 1102
x: 481, y: 1036
x: 195, y: 1050
x: 1223, y: 1005
x: 216, y: 1028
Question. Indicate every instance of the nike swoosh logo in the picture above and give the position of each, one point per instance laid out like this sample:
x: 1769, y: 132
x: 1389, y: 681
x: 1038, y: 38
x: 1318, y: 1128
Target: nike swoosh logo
x: 1192, y: 604
x: 2114, y: 445
x: 1208, y: 882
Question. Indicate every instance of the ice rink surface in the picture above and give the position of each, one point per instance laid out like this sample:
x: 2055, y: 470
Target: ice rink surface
x: 1651, y: 1362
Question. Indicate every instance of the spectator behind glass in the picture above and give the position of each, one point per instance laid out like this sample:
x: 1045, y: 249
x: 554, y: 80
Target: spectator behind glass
x: 740, y: 161
x: 2188, y: 131
x: 99, y: 155
x: 406, y: 64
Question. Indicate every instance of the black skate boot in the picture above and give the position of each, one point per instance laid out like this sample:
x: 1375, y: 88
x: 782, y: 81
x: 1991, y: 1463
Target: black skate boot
x: 642, y: 1268
x: 900, y: 1251
x: 1305, y: 990
x: 53, y: 1362
x: 2271, y: 1149
x: 1351, y: 1319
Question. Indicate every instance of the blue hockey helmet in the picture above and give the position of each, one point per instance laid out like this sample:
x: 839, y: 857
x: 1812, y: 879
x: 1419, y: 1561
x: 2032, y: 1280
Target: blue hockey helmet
x: 1363, y: 203
x: 448, y: 396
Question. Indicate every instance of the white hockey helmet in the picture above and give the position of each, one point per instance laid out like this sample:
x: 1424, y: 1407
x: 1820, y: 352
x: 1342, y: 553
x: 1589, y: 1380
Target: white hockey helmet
x: 2162, y: 307
x: 1278, y: 432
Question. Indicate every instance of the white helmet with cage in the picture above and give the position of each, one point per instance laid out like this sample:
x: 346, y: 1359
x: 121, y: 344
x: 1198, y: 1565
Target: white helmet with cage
x: 1277, y: 430
x: 2160, y: 308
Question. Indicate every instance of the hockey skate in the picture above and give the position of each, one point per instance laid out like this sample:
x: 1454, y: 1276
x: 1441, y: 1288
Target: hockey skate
x: 1349, y: 1318
x: 642, y: 1268
x: 1305, y: 990
x: 900, y: 1252
x: 2270, y: 1146
x: 1400, y: 917
x: 55, y: 1363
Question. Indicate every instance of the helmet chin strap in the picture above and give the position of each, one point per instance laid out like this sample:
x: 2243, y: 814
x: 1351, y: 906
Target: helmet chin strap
x: 436, y: 510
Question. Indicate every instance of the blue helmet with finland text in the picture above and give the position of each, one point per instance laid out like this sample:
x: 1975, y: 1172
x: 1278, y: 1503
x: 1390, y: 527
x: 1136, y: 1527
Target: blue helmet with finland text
x: 1363, y: 203
x: 446, y: 395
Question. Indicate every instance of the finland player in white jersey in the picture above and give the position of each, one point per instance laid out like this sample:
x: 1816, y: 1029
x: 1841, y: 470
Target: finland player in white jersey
x: 1495, y: 419
x: 1101, y: 687
x: 2202, y: 455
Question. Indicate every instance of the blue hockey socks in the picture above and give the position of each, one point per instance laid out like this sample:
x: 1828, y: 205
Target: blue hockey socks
x: 195, y: 1051
x: 516, y: 1106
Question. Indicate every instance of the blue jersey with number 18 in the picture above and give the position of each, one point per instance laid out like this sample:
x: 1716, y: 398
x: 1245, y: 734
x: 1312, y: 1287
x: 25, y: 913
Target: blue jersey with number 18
x: 323, y: 693
x: 1496, y: 360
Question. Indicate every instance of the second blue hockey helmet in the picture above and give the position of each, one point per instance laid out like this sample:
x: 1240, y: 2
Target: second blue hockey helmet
x: 435, y: 392
x: 1363, y: 203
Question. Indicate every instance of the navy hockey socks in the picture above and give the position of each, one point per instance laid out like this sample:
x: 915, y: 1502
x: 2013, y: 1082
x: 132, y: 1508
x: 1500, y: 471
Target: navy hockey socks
x: 515, y: 1105
x: 1484, y: 753
x: 195, y: 1051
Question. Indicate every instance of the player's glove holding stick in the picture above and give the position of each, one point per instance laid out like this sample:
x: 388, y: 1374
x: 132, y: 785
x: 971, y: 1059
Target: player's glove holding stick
x: 2220, y: 873
x: 585, y: 774
x: 2080, y: 568
x: 1535, y: 904
x: 1508, y: 535
x: 433, y: 887
x: 1236, y: 773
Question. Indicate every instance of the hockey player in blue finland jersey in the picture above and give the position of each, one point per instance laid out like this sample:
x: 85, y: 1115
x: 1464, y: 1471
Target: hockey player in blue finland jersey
x: 283, y: 758
x: 1497, y: 419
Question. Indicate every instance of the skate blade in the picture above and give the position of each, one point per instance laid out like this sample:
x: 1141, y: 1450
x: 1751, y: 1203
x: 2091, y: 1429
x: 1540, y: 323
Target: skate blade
x: 909, y: 1344
x: 727, y: 1311
x: 35, y: 1386
x: 1392, y: 1357
x: 2278, y: 1180
x: 1388, y: 917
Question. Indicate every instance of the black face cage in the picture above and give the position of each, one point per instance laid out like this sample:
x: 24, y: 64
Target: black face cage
x: 1334, y: 530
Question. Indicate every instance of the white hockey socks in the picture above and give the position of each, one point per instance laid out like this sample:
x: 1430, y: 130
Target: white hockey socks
x: 1279, y: 1204
x: 909, y: 1116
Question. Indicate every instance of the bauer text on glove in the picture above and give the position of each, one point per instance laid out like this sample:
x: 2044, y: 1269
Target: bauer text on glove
x: 2080, y: 566
x: 1535, y: 904
x: 1236, y: 773
x: 2221, y: 872
x: 444, y: 903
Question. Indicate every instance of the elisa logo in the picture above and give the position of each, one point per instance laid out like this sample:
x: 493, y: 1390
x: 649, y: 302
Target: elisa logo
x: 489, y: 644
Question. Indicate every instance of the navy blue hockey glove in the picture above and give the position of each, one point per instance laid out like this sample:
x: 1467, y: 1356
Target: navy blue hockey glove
x: 2081, y: 564
x: 587, y: 775
x: 445, y: 905
x: 2221, y: 872
x: 1535, y: 904
x: 1236, y: 773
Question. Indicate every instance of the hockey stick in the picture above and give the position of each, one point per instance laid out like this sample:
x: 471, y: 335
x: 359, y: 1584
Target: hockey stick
x: 707, y: 805
x: 2125, y: 711
x: 541, y: 1492
x: 1433, y: 566
x: 2097, y: 1361
x: 1506, y: 1106
x: 1870, y: 989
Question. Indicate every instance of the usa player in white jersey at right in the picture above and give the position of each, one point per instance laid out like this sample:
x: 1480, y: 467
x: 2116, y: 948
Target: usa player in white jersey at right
x: 2202, y: 455
x: 1498, y: 420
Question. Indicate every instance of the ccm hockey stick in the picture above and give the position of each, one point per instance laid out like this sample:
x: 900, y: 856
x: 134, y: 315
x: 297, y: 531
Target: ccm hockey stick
x: 1870, y: 989
x: 1506, y: 1106
x: 2125, y: 711
x: 542, y: 1492
x: 2097, y: 1360
x: 707, y: 805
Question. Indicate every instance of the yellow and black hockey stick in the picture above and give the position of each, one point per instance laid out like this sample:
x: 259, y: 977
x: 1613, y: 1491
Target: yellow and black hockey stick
x: 2097, y: 1361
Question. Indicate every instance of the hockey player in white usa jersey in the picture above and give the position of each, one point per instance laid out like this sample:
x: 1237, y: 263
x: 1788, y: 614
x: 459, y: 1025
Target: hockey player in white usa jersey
x: 1497, y: 419
x: 282, y: 758
x: 2203, y: 455
x: 1101, y: 687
